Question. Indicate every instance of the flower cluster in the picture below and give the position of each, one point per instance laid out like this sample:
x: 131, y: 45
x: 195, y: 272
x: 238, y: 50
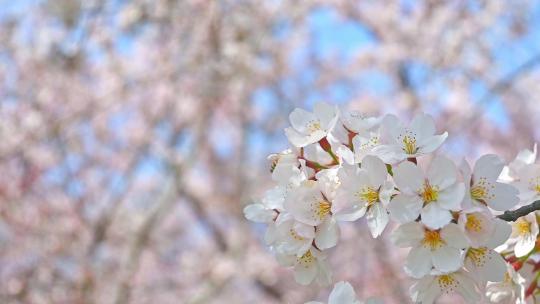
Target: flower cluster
x: 344, y: 166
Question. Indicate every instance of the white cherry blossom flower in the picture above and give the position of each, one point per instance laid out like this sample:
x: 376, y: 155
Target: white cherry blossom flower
x: 309, y: 267
x: 524, y: 234
x: 400, y: 142
x: 510, y: 291
x: 432, y: 195
x: 438, y: 249
x: 284, y: 158
x: 288, y: 176
x: 292, y: 237
x: 311, y: 204
x: 308, y: 127
x: 528, y: 183
x: 480, y: 226
x: 525, y: 157
x: 430, y: 287
x: 343, y: 293
x: 364, y: 190
x: 352, y: 123
x: 484, y: 263
x: 482, y: 187
x: 365, y: 143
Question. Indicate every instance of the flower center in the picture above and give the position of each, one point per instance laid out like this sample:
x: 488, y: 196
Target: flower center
x: 478, y: 192
x: 477, y: 255
x: 369, y: 195
x: 523, y: 227
x: 473, y: 223
x: 306, y: 259
x: 537, y: 188
x: 447, y: 282
x: 432, y: 239
x: 295, y: 235
x: 409, y: 144
x: 323, y: 209
x: 314, y: 125
x: 429, y: 193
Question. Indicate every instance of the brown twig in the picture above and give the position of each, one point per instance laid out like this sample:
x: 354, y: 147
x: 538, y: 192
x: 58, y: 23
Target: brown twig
x: 512, y: 216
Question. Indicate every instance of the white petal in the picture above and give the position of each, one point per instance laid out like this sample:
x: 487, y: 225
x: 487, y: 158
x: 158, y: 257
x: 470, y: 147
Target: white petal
x: 377, y: 219
x: 376, y: 170
x: 505, y: 197
x: 446, y: 259
x: 442, y: 172
x: 327, y: 234
x: 524, y: 245
x: 486, y: 264
x: 434, y: 216
x: 296, y: 139
x: 500, y: 234
x: 326, y: 113
x: 408, y: 235
x: 408, y: 177
x: 451, y: 197
x: 454, y: 236
x: 466, y: 288
x: 423, y: 125
x: 259, y: 213
x: 488, y: 166
x: 343, y: 293
x: 432, y: 143
x: 304, y: 275
x: 390, y: 128
x: 390, y: 154
x: 418, y: 262
x: 300, y: 118
x: 405, y: 208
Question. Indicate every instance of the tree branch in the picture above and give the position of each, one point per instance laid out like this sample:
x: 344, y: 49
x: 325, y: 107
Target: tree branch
x: 512, y: 216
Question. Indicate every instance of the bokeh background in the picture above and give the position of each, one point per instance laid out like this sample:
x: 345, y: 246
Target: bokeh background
x: 132, y: 133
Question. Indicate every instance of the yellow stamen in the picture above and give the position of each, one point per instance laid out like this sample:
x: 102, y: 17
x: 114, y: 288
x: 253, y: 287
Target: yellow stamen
x: 523, y: 227
x: 306, y: 259
x: 447, y: 282
x: 314, y: 125
x: 473, y: 223
x: 477, y: 255
x: 369, y: 195
x: 409, y: 145
x: 480, y: 191
x: 429, y: 193
x: 295, y: 235
x: 323, y: 209
x: 432, y: 239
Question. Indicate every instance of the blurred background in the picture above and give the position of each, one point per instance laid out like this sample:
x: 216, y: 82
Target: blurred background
x: 132, y: 133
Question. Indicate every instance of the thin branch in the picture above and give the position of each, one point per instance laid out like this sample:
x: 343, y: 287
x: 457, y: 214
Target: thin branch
x: 512, y: 216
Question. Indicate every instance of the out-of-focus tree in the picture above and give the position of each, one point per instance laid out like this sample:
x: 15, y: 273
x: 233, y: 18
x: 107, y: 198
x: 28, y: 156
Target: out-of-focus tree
x: 133, y: 132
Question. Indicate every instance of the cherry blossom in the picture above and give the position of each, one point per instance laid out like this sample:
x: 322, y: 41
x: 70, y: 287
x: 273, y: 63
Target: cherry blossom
x: 400, y: 142
x: 431, y: 249
x: 432, y: 195
x: 430, y: 287
x: 364, y: 190
x: 510, y: 291
x: 309, y: 267
x: 482, y: 261
x: 524, y: 234
x: 482, y: 187
x: 308, y: 127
